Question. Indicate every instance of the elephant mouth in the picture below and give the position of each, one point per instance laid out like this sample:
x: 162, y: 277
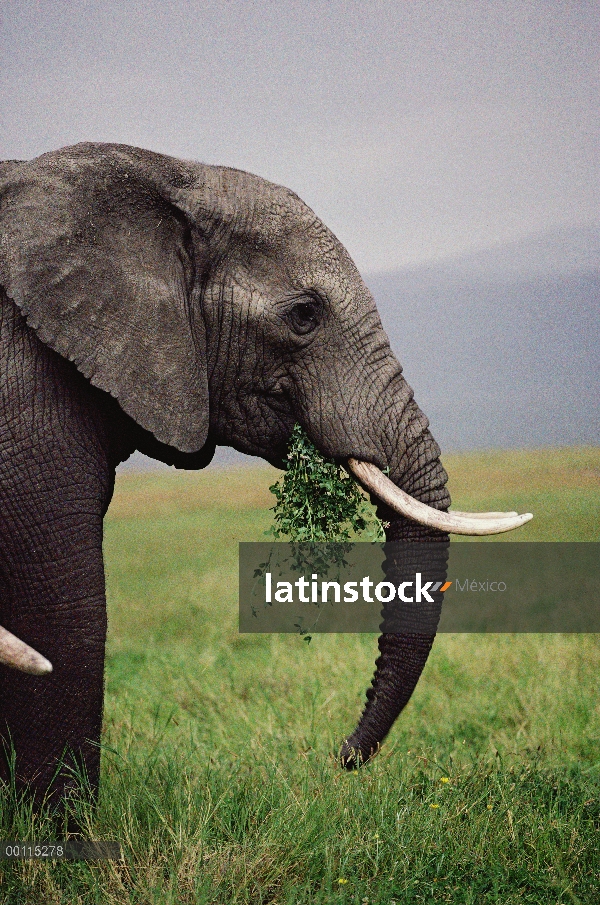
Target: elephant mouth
x: 470, y: 523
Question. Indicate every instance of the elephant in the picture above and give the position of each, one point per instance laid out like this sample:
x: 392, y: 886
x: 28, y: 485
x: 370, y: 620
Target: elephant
x: 155, y: 304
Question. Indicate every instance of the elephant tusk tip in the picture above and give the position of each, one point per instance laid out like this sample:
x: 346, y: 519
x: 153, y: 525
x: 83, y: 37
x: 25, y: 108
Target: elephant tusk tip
x: 32, y: 663
x: 18, y: 655
x: 40, y: 666
x: 523, y: 519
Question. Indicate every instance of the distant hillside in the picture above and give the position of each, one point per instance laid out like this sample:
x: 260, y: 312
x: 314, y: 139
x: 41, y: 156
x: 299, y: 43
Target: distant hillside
x: 502, y: 347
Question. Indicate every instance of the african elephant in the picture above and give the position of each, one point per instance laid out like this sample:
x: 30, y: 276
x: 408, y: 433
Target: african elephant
x: 168, y: 306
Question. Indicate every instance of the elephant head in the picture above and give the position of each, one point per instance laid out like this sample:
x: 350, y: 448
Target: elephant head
x: 216, y: 308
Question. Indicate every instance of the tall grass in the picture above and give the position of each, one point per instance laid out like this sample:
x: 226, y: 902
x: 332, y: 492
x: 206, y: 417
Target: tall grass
x: 219, y: 773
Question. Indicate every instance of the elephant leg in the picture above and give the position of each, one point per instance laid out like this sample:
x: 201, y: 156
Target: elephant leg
x: 57, y: 459
x: 52, y: 597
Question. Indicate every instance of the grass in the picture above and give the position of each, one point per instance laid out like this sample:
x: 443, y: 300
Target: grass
x: 219, y: 773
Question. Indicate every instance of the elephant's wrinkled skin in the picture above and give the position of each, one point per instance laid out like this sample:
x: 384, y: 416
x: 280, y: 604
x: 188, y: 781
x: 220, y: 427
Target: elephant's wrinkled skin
x: 154, y: 304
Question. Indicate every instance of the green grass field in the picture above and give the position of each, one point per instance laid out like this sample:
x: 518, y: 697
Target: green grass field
x: 219, y: 772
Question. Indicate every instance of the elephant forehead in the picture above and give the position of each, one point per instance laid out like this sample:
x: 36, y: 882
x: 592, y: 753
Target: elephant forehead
x: 263, y: 214
x: 289, y: 246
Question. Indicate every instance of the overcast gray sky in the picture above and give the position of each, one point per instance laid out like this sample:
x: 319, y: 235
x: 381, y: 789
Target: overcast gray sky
x: 415, y: 130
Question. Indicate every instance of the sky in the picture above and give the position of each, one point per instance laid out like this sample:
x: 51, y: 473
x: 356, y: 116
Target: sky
x: 415, y: 130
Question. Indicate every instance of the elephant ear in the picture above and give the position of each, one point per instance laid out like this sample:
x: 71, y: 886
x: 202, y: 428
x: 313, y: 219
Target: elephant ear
x: 104, y: 264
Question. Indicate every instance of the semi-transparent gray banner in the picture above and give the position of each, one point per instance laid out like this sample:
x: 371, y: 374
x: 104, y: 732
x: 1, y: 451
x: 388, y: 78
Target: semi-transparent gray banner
x: 421, y: 588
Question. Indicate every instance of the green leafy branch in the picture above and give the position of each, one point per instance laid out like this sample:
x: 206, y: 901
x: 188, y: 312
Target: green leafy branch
x: 318, y: 501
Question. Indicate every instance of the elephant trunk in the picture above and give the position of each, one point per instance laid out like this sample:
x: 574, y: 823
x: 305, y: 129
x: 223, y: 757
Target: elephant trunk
x: 403, y: 654
x: 397, y: 671
x: 414, y: 502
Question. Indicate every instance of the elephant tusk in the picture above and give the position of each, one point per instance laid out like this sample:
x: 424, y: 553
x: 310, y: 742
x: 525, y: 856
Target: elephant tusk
x: 485, y: 514
x: 19, y: 655
x: 475, y: 523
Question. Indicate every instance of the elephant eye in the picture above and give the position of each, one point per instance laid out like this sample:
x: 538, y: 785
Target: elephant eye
x: 304, y: 317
